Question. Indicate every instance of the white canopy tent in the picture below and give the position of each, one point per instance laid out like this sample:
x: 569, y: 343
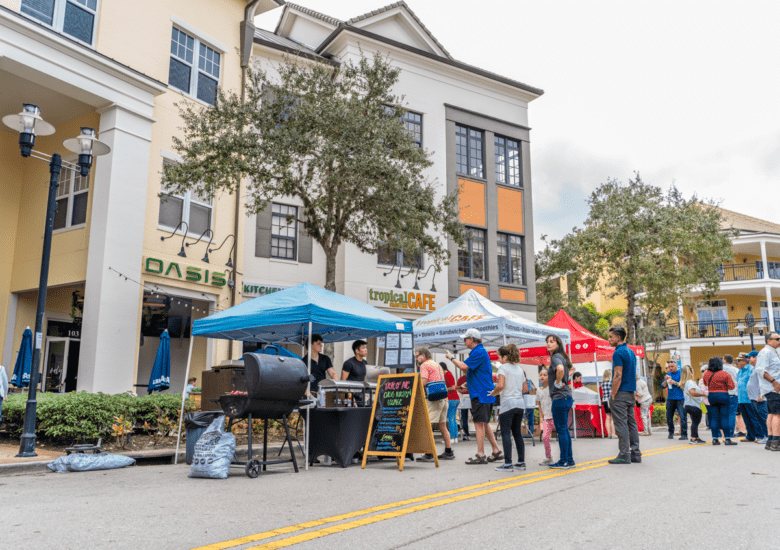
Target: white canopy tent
x: 442, y: 329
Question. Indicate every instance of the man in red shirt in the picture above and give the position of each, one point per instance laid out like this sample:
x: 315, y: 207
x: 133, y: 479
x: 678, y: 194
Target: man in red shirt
x: 577, y: 380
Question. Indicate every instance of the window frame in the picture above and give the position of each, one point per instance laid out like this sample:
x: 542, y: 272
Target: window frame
x: 405, y: 120
x: 58, y: 18
x: 194, y: 65
x: 70, y: 196
x: 505, y: 164
x: 294, y: 238
x: 187, y: 199
x: 508, y: 245
x: 469, y: 167
x: 470, y: 250
x: 399, y: 259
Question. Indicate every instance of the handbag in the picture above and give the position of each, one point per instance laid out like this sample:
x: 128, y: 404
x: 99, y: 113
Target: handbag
x: 436, y: 391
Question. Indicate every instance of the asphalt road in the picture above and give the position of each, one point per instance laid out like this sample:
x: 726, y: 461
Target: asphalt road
x: 680, y: 496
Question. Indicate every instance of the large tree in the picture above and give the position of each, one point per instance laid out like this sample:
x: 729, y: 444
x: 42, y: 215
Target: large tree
x: 651, y: 247
x: 334, y: 140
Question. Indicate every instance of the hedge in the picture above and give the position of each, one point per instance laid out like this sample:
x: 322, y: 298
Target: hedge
x: 66, y: 417
x: 659, y: 414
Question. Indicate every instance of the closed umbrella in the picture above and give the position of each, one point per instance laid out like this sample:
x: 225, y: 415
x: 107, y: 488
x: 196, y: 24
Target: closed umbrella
x: 23, y: 367
x: 161, y: 371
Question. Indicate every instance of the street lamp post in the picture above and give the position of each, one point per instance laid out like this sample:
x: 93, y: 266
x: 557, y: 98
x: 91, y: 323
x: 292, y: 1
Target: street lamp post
x: 29, y: 124
x: 741, y: 328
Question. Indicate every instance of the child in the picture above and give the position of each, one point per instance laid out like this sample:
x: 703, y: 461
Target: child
x: 545, y: 415
x: 190, y: 386
x: 606, y: 392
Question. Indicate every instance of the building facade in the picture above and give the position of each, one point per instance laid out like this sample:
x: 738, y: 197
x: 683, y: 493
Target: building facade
x: 127, y: 262
x: 474, y: 124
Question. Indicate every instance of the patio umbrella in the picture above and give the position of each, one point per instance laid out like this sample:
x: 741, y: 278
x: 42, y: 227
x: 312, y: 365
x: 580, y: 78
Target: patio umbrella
x: 161, y: 371
x: 23, y: 367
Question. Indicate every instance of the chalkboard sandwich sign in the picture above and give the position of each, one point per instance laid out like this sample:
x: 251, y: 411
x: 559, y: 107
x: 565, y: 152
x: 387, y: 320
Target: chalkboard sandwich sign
x: 399, y: 420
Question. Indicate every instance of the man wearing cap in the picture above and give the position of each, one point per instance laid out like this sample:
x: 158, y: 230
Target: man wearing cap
x: 754, y: 393
x: 746, y: 408
x: 768, y: 368
x: 479, y: 378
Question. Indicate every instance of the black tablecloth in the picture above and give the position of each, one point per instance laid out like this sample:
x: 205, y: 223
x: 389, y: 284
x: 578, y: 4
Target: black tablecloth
x: 338, y: 432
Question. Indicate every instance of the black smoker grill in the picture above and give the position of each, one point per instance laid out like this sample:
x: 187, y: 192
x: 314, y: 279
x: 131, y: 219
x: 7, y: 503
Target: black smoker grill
x: 274, y: 387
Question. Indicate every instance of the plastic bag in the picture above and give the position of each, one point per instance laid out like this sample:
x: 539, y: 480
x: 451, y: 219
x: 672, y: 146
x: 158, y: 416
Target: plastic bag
x: 214, y: 452
x: 200, y: 419
x: 80, y: 462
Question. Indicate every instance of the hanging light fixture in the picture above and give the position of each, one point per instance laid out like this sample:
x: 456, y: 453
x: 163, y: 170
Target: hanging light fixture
x: 29, y: 124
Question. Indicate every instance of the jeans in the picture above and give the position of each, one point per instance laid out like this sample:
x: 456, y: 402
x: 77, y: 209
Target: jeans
x: 733, y: 406
x: 695, y: 414
x: 560, y: 414
x: 510, y: 422
x: 719, y: 414
x: 678, y: 405
x: 464, y: 421
x: 452, y: 413
x: 622, y: 408
x: 762, y: 415
x: 752, y: 421
x: 529, y: 417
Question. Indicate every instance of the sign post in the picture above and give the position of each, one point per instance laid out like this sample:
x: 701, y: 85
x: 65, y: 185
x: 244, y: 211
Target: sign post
x: 399, y: 420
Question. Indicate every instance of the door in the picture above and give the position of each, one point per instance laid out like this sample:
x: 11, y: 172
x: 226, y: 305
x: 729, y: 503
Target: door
x: 56, y: 364
x: 72, y: 372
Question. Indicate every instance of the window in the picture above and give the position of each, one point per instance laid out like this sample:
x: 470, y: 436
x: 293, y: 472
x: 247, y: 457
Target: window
x: 191, y: 208
x: 712, y: 313
x: 510, y: 259
x: 284, y: 228
x: 413, y: 122
x: 507, y: 153
x: 72, y: 197
x: 471, y: 259
x: 765, y: 312
x: 390, y: 256
x: 200, y: 81
x: 75, y: 18
x: 469, y: 151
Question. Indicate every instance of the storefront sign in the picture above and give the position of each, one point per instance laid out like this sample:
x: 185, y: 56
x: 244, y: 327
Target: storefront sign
x: 175, y: 270
x: 261, y: 289
x: 396, y: 299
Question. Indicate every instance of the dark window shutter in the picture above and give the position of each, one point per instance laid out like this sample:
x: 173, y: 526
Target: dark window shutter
x: 263, y: 233
x: 304, y: 241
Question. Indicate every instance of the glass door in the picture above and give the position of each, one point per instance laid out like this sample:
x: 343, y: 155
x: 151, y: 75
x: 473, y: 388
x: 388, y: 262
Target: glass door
x: 56, y: 365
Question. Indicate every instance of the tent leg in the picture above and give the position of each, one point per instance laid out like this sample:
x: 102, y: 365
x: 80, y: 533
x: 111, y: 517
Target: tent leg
x: 601, y: 403
x: 308, y: 409
x: 181, y: 412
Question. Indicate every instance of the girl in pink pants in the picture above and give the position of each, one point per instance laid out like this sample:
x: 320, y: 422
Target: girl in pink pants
x: 545, y: 415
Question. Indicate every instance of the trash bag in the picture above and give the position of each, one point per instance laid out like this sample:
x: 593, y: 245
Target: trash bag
x: 80, y: 462
x: 200, y: 419
x: 214, y: 452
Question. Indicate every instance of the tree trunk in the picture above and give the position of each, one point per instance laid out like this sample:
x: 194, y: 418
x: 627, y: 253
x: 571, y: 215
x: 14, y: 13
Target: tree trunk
x: 330, y: 267
x: 630, y: 315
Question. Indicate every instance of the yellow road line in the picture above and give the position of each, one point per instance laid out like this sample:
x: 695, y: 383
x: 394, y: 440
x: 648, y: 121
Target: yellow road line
x: 341, y: 517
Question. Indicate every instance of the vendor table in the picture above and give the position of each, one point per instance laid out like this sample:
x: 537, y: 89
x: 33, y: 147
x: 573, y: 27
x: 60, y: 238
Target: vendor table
x: 338, y: 432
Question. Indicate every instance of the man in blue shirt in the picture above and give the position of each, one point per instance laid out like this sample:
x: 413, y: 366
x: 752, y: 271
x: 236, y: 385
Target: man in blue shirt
x: 675, y: 400
x: 746, y: 407
x: 623, y: 399
x: 479, y: 379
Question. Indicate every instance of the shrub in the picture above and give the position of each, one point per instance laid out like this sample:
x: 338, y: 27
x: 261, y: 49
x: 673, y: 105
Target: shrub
x: 659, y: 414
x: 74, y: 416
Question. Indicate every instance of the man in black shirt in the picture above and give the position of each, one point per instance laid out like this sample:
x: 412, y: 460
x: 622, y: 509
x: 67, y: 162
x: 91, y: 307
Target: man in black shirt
x: 354, y: 368
x: 321, y: 365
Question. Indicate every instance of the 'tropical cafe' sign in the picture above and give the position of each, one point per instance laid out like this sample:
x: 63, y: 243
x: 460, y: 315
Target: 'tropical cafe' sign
x: 174, y: 270
x: 407, y: 299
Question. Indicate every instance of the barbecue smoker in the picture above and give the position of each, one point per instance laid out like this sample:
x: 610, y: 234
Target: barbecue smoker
x: 267, y: 387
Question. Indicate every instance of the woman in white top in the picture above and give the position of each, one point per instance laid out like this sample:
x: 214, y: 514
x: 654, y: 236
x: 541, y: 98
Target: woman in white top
x: 545, y: 415
x: 511, y: 386
x: 693, y: 398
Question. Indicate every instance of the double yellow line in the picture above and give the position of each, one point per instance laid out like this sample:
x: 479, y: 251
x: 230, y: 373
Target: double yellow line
x: 454, y: 495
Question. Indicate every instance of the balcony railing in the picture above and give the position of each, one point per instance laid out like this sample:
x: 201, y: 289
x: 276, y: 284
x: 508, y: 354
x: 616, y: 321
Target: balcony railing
x: 672, y: 331
x: 716, y: 329
x: 748, y: 272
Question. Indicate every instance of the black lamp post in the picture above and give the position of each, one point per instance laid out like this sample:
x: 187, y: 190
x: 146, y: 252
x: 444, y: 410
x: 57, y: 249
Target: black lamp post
x: 29, y: 124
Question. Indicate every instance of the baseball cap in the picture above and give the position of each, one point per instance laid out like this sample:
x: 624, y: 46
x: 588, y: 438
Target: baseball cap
x: 472, y: 333
x: 742, y: 356
x: 753, y: 353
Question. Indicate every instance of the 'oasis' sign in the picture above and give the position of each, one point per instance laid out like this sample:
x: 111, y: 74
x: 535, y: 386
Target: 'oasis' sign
x: 390, y: 298
x: 186, y: 272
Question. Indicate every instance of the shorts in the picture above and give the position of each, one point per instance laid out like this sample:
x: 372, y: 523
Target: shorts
x: 606, y: 407
x: 773, y: 402
x: 437, y: 411
x: 480, y: 412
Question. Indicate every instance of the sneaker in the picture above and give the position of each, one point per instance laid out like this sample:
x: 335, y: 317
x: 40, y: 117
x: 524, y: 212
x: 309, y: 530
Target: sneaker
x: 455, y: 440
x: 558, y: 465
x: 637, y: 460
x: 730, y: 442
x: 465, y: 438
x: 505, y: 468
x: 700, y: 442
x: 425, y: 458
x: 684, y: 438
x: 671, y: 436
x: 446, y: 456
x: 740, y: 434
x: 571, y: 465
x: 761, y: 441
x: 775, y: 446
x: 545, y: 462
x: 520, y: 465
x: 715, y: 442
x: 618, y: 460
x: 768, y: 445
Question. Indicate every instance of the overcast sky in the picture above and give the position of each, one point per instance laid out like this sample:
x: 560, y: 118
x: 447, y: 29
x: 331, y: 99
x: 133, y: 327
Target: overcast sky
x: 684, y: 92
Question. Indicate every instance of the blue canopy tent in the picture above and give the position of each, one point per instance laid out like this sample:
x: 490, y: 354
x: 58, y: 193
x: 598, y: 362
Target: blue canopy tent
x: 291, y: 316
